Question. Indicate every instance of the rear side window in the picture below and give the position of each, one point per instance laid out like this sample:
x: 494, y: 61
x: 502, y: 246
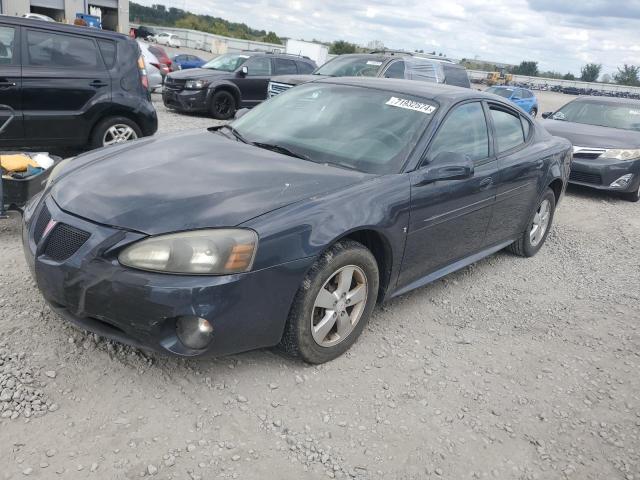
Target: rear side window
x: 456, y: 76
x: 7, y: 45
x: 47, y: 49
x: 305, y: 68
x: 395, y: 70
x: 108, y: 50
x: 285, y: 67
x: 508, y: 126
x: 463, y: 131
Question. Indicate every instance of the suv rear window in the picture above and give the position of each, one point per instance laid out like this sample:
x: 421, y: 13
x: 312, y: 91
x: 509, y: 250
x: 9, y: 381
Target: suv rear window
x: 47, y: 49
x: 305, y: 68
x: 108, y: 50
x: 456, y: 76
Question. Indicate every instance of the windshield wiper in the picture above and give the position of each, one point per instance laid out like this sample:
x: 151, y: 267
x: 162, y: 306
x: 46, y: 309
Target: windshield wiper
x: 281, y: 149
x: 236, y: 134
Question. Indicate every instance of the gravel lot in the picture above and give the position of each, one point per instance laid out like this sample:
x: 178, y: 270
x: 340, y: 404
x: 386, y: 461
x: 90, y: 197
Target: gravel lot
x: 509, y: 369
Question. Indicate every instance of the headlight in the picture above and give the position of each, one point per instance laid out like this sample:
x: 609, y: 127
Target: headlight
x: 199, y: 252
x: 196, y: 84
x: 57, y: 170
x: 617, y: 154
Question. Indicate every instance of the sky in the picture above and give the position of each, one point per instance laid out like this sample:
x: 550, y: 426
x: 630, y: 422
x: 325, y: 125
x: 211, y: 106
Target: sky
x: 561, y: 35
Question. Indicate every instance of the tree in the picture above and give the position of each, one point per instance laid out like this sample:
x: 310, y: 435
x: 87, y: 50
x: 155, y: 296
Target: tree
x: 569, y: 76
x: 271, y: 37
x: 628, y: 75
x: 590, y: 72
x: 528, y: 68
x: 606, y: 78
x: 340, y: 47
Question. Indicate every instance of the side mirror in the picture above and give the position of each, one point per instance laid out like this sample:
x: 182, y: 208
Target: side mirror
x: 447, y: 166
x: 244, y: 71
x: 547, y: 114
x: 241, y: 112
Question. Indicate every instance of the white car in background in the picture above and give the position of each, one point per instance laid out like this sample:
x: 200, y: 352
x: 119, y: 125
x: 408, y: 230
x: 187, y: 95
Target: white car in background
x: 38, y: 16
x: 153, y: 72
x: 167, y: 39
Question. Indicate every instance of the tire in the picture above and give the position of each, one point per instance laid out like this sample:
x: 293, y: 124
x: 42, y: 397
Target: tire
x: 345, y: 260
x: 632, y: 196
x: 534, y: 112
x: 101, y: 132
x: 528, y: 244
x: 223, y: 105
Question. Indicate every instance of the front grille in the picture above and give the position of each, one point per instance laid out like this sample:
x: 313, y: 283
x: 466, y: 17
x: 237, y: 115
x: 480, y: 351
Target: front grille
x: 174, y: 84
x: 584, y: 177
x: 64, y: 241
x: 41, y: 224
x: 277, y: 88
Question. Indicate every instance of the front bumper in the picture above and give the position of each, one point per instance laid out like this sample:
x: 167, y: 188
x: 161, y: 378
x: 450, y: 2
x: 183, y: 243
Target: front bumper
x: 93, y: 291
x: 185, y: 100
x: 601, y: 173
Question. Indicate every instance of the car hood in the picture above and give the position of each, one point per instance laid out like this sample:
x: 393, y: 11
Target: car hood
x: 200, y: 73
x: 583, y: 135
x: 197, y: 179
x: 296, y: 79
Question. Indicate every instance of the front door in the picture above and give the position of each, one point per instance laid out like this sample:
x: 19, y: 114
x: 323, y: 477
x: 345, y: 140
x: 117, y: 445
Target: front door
x: 64, y: 83
x: 253, y: 86
x: 449, y: 218
x: 10, y: 84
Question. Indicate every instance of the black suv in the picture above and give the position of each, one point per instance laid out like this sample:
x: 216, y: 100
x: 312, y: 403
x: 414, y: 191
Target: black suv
x: 385, y: 64
x: 229, y: 82
x: 71, y: 86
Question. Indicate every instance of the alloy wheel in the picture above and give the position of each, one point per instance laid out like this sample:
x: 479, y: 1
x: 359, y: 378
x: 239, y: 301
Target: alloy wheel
x: 540, y: 223
x: 339, y: 306
x: 119, y: 133
x: 223, y: 106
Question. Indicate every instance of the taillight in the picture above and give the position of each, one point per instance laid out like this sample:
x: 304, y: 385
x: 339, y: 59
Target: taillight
x: 144, y: 79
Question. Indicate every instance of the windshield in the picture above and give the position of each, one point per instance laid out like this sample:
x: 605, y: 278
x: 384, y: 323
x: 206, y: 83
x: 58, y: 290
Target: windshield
x: 503, y: 92
x: 227, y: 63
x: 622, y: 116
x: 352, y: 66
x: 358, y: 128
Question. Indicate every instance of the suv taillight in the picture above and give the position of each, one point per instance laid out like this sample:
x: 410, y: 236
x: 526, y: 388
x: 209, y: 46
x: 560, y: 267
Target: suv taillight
x: 143, y: 73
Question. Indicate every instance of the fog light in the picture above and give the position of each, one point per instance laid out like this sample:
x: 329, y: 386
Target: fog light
x: 194, y: 332
x: 622, y: 182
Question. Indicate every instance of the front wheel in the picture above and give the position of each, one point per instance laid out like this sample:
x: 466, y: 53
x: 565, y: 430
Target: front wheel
x: 223, y: 105
x: 632, y: 196
x: 333, y: 304
x: 534, y: 236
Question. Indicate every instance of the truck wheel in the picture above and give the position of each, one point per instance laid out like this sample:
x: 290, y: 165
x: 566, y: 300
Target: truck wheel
x: 333, y: 304
x: 223, y: 105
x: 114, y: 130
x: 538, y: 227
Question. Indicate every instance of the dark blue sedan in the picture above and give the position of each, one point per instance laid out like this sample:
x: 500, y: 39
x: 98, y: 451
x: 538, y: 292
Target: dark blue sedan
x: 289, y: 225
x: 185, y: 62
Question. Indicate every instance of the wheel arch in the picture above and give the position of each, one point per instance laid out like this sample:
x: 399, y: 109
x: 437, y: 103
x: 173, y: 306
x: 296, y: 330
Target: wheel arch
x: 556, y: 185
x: 228, y: 87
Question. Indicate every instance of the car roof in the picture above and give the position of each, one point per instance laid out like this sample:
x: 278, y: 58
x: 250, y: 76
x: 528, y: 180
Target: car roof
x: 273, y: 54
x: 62, y: 27
x: 607, y: 100
x: 427, y: 90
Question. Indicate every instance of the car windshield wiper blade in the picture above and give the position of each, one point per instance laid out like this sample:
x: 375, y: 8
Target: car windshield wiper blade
x: 237, y: 134
x: 281, y: 149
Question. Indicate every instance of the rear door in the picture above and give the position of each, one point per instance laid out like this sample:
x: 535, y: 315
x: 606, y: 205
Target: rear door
x: 521, y: 170
x: 10, y: 83
x: 65, y: 85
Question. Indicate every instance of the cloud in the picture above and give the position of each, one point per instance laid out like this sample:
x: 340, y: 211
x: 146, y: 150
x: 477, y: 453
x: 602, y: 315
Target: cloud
x: 560, y: 35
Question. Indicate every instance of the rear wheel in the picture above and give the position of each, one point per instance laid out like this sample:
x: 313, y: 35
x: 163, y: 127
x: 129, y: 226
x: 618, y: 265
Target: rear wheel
x: 534, y: 236
x: 534, y: 112
x: 632, y: 196
x: 114, y: 130
x: 223, y: 105
x: 333, y: 304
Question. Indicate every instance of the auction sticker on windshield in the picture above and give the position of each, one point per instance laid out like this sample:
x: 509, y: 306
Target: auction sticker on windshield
x: 411, y: 105
x: 373, y: 62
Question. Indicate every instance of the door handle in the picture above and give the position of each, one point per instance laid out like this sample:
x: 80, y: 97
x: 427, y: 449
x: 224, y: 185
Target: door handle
x: 486, y: 183
x: 98, y: 84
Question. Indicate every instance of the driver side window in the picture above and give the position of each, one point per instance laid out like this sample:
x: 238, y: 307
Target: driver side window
x: 259, y: 66
x: 463, y: 131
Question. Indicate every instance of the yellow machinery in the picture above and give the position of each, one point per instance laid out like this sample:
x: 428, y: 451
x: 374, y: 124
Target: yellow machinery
x: 499, y: 78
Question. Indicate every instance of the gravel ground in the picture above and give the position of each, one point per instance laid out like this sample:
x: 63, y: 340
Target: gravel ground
x: 509, y: 369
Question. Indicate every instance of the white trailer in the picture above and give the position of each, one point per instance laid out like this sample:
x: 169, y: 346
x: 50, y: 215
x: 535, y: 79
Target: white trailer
x: 315, y: 51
